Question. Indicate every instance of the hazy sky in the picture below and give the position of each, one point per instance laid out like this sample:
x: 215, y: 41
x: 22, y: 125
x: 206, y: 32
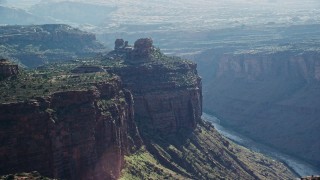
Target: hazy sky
x: 181, y: 3
x: 203, y: 13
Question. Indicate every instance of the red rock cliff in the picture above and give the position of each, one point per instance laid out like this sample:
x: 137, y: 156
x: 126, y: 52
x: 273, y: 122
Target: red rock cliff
x: 70, y: 135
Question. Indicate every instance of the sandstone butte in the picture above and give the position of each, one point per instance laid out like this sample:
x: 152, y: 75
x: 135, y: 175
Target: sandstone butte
x: 145, y: 124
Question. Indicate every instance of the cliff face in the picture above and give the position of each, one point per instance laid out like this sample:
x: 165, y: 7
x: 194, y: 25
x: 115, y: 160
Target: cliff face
x: 72, y: 134
x: 284, y: 65
x: 272, y: 98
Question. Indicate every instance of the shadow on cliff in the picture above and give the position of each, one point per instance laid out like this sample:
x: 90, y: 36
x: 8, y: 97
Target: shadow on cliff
x: 171, y: 148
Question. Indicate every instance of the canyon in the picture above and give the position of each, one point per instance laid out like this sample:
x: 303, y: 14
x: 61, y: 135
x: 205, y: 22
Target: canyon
x: 132, y: 106
x: 255, y: 67
x: 270, y: 96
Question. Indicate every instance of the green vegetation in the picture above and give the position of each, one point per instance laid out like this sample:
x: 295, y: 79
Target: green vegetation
x: 142, y: 165
x: 170, y: 62
x: 47, y: 80
x: 55, y: 77
x: 30, y: 176
x: 35, y: 45
x: 199, y: 154
x: 156, y: 70
x: 157, y: 60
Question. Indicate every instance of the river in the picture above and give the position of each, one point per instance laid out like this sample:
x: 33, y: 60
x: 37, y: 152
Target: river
x: 300, y: 167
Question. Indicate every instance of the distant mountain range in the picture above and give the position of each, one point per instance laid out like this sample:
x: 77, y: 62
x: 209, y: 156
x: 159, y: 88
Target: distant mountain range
x: 14, y: 16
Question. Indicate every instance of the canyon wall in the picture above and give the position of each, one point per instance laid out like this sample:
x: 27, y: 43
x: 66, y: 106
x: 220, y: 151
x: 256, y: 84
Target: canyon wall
x: 69, y: 135
x: 84, y: 133
x: 283, y: 65
x: 272, y: 97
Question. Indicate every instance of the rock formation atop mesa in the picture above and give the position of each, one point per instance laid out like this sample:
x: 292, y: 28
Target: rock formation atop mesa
x: 120, y: 45
x: 142, y: 49
x: 7, y: 69
x: 140, y: 52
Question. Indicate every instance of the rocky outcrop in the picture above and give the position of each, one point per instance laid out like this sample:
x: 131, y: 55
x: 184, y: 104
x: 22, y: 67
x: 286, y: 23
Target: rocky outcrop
x: 119, y: 44
x: 142, y: 49
x: 268, y: 92
x: 7, y: 69
x: 70, y: 135
x: 139, y: 53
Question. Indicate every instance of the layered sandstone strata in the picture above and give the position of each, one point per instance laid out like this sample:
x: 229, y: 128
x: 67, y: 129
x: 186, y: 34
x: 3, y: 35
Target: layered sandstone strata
x: 70, y: 135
